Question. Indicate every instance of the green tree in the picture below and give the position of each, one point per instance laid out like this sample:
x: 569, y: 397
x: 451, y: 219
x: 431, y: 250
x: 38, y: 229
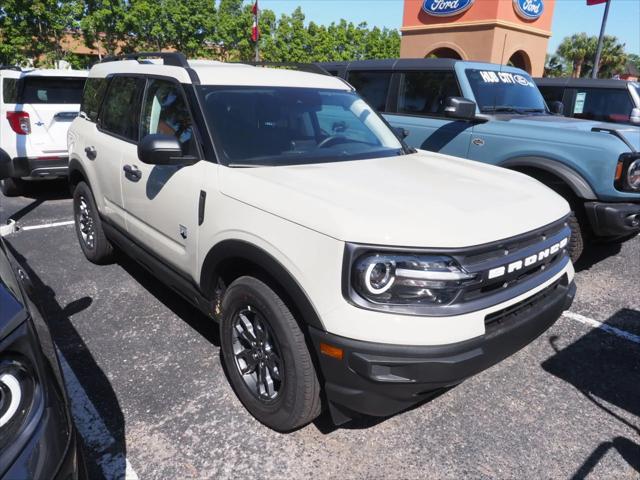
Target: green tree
x: 577, y: 49
x: 33, y: 29
x: 554, y: 66
x: 103, y: 25
x: 613, y: 59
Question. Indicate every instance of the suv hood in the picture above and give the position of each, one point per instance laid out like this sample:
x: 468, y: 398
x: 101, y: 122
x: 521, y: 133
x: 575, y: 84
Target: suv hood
x: 418, y: 200
x: 629, y: 132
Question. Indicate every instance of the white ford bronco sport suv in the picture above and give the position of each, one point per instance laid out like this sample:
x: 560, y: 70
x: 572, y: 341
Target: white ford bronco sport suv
x: 36, y: 109
x: 341, y: 264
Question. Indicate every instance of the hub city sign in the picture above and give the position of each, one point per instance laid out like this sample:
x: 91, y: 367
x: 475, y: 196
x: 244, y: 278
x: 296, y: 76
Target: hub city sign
x: 446, y: 8
x: 529, y: 9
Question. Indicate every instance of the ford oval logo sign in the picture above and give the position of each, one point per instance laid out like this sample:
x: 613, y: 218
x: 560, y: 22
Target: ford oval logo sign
x: 445, y: 8
x: 529, y: 9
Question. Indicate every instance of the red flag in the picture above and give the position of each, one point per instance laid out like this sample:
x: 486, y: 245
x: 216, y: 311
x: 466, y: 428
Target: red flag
x: 255, y: 29
x: 595, y: 2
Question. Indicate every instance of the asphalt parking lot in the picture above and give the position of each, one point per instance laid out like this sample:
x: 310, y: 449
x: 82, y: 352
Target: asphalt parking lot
x: 151, y: 400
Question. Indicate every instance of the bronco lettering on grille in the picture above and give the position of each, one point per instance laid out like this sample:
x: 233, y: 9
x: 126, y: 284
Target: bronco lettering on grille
x: 528, y: 261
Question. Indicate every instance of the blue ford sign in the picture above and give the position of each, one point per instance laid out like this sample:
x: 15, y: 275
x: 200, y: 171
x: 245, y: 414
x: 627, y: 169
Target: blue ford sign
x: 529, y: 9
x: 445, y: 8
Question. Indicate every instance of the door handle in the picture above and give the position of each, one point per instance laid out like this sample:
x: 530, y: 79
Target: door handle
x: 132, y: 172
x: 91, y: 152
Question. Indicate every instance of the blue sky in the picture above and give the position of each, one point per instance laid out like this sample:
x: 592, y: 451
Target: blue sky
x: 570, y: 16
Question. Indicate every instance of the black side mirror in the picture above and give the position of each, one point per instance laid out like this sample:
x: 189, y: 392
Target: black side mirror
x: 158, y: 149
x: 557, y: 108
x: 402, y: 133
x: 460, y: 108
x: 6, y: 168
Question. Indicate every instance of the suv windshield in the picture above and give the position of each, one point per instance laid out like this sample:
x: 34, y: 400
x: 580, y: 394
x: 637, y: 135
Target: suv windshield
x: 506, y: 92
x: 55, y: 90
x: 254, y: 126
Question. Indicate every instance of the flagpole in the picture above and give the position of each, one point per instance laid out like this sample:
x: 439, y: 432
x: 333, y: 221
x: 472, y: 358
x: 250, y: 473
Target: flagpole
x: 596, y: 62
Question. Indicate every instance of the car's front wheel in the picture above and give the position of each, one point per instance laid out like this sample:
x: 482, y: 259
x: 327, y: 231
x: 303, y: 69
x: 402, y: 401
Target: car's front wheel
x: 93, y: 241
x: 266, y: 357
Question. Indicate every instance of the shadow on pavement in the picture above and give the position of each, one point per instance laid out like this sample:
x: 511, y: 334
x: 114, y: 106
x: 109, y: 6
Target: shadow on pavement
x: 42, y: 190
x: 94, y: 382
x: 606, y: 370
x: 597, y: 252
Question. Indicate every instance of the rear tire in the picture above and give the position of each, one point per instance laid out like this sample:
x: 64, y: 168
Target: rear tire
x: 93, y: 241
x: 266, y: 357
x: 11, y: 187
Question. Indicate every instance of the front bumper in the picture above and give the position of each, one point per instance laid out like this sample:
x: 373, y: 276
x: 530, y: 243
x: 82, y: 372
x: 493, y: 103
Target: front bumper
x: 40, y: 167
x: 613, y: 219
x: 381, y: 380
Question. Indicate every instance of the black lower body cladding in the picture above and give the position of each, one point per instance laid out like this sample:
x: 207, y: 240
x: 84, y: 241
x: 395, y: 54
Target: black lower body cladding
x: 613, y: 219
x: 43, y: 167
x: 381, y: 379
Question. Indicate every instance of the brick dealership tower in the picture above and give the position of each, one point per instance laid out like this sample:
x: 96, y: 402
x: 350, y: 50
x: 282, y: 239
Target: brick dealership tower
x: 512, y: 32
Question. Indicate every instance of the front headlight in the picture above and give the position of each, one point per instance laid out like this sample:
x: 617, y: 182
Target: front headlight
x: 633, y: 175
x: 405, y: 279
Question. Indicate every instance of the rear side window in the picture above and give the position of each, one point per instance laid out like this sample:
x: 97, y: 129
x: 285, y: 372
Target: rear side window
x: 603, y: 104
x: 425, y: 93
x: 54, y: 90
x: 9, y: 90
x: 552, y: 94
x: 94, y: 91
x: 121, y: 105
x: 373, y: 86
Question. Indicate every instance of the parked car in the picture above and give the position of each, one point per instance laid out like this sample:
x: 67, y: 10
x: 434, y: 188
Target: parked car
x: 615, y: 101
x: 334, y: 257
x: 36, y: 109
x: 37, y: 435
x: 495, y: 114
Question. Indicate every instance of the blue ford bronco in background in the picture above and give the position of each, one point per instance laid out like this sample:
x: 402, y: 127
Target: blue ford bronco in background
x: 496, y: 114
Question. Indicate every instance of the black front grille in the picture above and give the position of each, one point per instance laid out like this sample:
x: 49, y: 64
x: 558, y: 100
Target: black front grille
x: 498, y: 319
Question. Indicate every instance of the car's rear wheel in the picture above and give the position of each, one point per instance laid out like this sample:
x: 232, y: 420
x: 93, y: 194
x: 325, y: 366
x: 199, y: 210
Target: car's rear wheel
x: 266, y: 357
x: 93, y: 241
x: 11, y: 187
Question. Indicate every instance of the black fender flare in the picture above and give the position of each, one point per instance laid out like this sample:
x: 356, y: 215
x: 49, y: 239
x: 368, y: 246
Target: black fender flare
x: 228, y: 249
x: 573, y: 179
x: 76, y: 167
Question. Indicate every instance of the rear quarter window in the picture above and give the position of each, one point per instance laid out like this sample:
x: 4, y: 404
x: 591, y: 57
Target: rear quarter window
x: 92, y: 96
x: 9, y: 90
x: 373, y: 86
x: 51, y: 90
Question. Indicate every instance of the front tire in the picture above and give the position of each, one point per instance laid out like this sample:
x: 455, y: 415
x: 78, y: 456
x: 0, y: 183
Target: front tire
x: 266, y: 357
x: 576, y: 243
x: 93, y: 241
x: 11, y: 187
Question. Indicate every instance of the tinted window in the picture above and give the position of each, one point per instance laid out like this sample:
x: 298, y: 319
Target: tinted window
x: 373, y: 86
x: 552, y: 94
x: 497, y: 91
x: 285, y: 126
x: 94, y: 91
x: 606, y: 105
x: 9, y: 92
x: 119, y: 113
x: 165, y: 111
x: 55, y: 90
x: 425, y: 93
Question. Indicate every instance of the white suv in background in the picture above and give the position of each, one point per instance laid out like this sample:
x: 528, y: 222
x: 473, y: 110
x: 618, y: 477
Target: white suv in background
x: 342, y: 265
x: 36, y: 109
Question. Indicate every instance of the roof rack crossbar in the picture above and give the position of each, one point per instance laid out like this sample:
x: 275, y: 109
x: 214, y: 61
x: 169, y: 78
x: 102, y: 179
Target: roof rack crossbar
x: 175, y: 59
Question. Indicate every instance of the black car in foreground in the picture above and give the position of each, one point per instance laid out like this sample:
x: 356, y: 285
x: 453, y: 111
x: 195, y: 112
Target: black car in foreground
x: 38, y: 439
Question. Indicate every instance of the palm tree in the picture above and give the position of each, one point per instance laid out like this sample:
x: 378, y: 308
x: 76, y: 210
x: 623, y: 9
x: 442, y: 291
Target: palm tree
x: 576, y: 49
x: 613, y: 58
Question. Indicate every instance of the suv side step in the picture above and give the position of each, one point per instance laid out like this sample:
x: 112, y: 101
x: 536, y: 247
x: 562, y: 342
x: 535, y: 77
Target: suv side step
x: 174, y: 280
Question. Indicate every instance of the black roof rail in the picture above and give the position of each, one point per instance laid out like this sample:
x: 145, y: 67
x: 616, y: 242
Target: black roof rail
x: 175, y: 59
x: 302, y: 67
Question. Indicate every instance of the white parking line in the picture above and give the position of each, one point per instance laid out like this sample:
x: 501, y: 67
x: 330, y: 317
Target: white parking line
x: 48, y: 225
x: 602, y: 326
x: 95, y: 433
